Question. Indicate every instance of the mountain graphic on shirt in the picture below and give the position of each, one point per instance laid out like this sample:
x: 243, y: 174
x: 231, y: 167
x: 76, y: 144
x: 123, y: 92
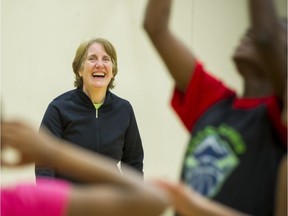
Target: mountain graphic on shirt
x: 208, y: 166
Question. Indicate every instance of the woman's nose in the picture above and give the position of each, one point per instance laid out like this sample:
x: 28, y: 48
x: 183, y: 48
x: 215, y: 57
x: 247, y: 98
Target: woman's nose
x: 98, y: 64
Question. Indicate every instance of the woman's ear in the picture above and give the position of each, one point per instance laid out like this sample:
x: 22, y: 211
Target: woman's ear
x: 80, y: 72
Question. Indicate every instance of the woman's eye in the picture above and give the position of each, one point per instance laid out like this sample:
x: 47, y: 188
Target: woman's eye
x: 92, y: 59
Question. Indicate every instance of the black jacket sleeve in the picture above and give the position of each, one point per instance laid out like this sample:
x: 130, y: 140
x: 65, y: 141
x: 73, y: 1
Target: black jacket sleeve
x: 52, y: 122
x: 133, y: 153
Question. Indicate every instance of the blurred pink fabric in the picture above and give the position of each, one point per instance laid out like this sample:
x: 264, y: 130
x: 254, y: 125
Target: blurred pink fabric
x: 49, y: 197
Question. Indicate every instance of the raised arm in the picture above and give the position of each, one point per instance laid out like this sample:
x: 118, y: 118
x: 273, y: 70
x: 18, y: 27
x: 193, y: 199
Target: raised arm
x: 270, y: 37
x: 114, y: 194
x: 281, y: 193
x: 177, y: 57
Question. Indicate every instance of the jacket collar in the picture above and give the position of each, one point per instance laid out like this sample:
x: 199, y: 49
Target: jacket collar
x: 84, y: 97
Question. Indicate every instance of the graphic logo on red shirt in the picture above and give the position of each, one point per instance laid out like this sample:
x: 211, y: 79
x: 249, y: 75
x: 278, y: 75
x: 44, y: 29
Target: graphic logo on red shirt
x: 211, y: 157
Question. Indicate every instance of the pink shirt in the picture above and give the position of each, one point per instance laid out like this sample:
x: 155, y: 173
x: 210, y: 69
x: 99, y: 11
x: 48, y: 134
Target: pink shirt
x: 48, y: 198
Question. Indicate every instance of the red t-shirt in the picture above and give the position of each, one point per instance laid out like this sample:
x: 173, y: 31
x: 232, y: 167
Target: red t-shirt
x: 236, y: 144
x: 204, y: 90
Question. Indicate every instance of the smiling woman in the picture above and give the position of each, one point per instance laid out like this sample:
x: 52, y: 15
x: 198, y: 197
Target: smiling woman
x: 91, y: 116
x: 93, y: 54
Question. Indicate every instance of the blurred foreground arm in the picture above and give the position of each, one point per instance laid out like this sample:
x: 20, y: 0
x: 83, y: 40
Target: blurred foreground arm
x: 189, y: 203
x: 117, y: 195
x: 281, y: 196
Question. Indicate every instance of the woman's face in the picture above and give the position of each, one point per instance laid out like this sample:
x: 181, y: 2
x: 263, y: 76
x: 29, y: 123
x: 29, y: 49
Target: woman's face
x: 97, y: 68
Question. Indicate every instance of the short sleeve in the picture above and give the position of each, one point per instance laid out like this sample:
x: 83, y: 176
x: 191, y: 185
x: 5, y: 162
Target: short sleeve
x: 203, y: 91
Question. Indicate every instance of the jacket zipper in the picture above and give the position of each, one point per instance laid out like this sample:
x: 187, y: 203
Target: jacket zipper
x: 96, y: 113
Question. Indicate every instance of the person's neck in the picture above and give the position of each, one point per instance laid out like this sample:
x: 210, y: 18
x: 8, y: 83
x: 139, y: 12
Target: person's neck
x: 254, y: 81
x: 97, y: 96
x: 257, y: 89
x: 255, y: 86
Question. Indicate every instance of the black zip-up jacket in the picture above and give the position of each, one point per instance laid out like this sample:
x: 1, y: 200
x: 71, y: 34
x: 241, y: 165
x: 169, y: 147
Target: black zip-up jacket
x: 111, y: 130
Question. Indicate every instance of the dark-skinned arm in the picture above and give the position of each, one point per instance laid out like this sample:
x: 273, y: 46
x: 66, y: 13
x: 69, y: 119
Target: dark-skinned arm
x: 270, y: 37
x: 177, y: 57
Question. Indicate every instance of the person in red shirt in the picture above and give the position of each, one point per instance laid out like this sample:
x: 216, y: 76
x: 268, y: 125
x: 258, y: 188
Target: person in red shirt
x: 237, y: 143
